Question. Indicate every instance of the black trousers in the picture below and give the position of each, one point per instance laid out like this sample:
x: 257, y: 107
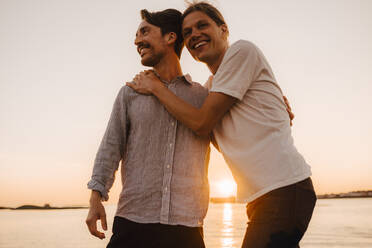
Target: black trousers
x: 280, y: 218
x: 129, y: 234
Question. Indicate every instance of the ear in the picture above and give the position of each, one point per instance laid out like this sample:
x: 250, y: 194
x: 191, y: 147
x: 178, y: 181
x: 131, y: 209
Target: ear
x: 225, y: 30
x: 171, y: 37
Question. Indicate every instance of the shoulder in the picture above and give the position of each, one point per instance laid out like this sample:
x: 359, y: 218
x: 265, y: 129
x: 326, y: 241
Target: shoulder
x: 197, y: 85
x: 128, y: 91
x: 126, y: 94
x: 195, y: 91
x: 242, y: 47
x: 194, y: 86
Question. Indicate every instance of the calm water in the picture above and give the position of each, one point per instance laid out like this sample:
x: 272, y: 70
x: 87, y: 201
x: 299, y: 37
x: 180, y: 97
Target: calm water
x: 336, y: 223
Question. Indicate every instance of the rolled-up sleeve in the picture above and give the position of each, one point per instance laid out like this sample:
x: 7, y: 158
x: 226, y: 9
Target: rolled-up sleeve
x: 111, y: 149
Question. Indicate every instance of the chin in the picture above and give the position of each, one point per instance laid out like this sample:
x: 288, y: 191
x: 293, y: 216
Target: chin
x: 202, y: 58
x: 147, y: 62
x: 150, y: 60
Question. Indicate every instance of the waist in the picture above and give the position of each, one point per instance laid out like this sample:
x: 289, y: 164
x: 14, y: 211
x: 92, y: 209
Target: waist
x: 305, y: 185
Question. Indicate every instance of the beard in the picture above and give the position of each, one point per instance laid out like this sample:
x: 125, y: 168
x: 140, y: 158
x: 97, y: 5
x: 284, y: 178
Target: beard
x: 151, y: 60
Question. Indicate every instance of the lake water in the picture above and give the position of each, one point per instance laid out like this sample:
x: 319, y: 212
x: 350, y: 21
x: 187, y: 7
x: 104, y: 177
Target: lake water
x: 336, y: 223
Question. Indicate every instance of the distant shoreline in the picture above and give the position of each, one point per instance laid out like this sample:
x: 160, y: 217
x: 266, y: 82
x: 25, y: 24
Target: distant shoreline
x: 45, y: 207
x: 231, y: 199
x: 353, y: 194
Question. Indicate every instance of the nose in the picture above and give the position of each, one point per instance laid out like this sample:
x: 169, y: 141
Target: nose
x: 195, y: 35
x: 137, y: 40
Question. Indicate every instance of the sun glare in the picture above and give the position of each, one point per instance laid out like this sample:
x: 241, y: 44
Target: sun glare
x: 226, y: 188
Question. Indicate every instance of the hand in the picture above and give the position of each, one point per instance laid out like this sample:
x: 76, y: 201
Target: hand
x: 145, y: 82
x: 96, y: 212
x: 289, y: 110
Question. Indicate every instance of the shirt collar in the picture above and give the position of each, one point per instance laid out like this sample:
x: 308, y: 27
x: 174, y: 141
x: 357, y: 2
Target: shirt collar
x: 186, y: 77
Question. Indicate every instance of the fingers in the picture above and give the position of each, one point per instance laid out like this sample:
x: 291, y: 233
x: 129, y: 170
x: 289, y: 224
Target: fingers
x: 147, y: 72
x: 131, y: 85
x: 142, y: 75
x: 92, y: 227
x: 104, y: 222
x: 96, y: 212
x: 136, y: 78
x: 289, y: 110
x: 287, y: 102
x: 139, y: 77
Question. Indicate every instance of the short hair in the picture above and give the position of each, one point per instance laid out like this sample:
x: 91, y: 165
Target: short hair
x: 207, y: 9
x: 168, y: 20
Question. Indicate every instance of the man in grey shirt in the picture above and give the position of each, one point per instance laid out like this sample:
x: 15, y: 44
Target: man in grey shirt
x: 165, y: 191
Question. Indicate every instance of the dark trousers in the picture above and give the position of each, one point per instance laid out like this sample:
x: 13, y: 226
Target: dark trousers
x: 129, y: 234
x: 280, y: 218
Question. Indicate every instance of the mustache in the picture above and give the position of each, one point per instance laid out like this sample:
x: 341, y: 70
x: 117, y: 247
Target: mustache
x: 142, y: 45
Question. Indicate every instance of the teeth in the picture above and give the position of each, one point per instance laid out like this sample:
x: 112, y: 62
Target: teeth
x: 142, y: 50
x: 200, y: 44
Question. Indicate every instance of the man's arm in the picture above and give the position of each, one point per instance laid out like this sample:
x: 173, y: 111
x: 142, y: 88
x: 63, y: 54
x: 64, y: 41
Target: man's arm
x: 96, y: 212
x: 202, y: 120
x: 106, y: 164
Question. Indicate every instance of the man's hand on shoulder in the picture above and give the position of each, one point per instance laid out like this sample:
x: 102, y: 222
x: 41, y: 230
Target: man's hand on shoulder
x: 96, y: 212
x: 145, y: 82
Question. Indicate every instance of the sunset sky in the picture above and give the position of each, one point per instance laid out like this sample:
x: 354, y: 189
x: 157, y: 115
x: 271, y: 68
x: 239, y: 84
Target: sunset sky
x: 62, y: 64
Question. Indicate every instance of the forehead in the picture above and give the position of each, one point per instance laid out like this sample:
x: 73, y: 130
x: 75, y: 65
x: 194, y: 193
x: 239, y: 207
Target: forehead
x: 145, y: 24
x: 194, y: 17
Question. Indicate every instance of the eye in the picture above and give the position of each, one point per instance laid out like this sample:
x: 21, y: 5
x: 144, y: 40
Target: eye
x: 186, y: 33
x: 202, y: 25
x: 144, y: 31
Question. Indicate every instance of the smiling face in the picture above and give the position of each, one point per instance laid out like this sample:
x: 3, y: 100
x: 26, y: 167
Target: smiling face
x: 205, y: 40
x: 151, y: 44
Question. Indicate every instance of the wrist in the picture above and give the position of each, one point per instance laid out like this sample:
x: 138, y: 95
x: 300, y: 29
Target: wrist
x: 95, y: 196
x: 157, y: 88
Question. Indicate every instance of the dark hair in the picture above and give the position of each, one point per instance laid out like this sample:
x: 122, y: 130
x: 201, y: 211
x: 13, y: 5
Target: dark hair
x: 168, y: 20
x: 207, y: 9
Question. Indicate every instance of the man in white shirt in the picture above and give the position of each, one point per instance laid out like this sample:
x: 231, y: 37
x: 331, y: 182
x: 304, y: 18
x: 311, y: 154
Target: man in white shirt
x: 247, y: 114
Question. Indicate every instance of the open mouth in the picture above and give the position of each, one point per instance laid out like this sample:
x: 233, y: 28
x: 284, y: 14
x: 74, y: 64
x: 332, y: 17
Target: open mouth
x: 199, y: 44
x: 142, y: 49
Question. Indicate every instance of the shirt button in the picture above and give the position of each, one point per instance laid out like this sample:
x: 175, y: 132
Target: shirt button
x: 165, y: 189
x: 172, y: 123
x: 170, y: 145
x: 168, y: 166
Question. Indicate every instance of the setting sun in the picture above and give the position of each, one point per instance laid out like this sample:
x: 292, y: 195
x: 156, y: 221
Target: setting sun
x: 226, y: 188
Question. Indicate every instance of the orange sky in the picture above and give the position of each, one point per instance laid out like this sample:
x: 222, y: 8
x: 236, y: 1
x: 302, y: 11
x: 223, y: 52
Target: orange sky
x: 62, y: 64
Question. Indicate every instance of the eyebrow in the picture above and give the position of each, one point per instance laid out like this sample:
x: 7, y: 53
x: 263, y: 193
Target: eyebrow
x: 197, y: 23
x: 142, y: 29
x: 202, y: 20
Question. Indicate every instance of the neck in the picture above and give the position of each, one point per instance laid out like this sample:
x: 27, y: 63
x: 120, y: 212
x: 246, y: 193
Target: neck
x: 215, y: 63
x: 169, y: 67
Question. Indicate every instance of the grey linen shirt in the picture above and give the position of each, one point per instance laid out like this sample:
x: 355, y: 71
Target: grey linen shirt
x: 164, y: 165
